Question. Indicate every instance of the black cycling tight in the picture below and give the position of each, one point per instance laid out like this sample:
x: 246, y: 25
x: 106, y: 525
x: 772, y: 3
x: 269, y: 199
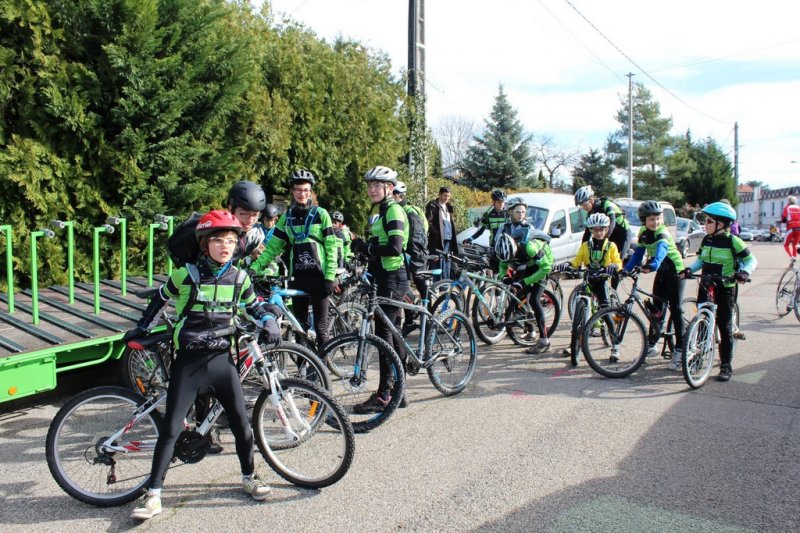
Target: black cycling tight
x: 206, y: 374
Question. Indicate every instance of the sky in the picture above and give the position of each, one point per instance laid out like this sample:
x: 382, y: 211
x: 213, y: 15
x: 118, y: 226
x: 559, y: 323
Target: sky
x: 563, y: 65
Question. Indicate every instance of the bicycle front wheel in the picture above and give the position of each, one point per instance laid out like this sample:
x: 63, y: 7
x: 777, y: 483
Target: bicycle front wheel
x: 581, y: 316
x: 361, y: 379
x: 293, y: 361
x: 784, y: 295
x: 453, y: 352
x: 698, y: 349
x: 487, y: 313
x: 145, y: 370
x: 82, y: 467
x: 305, y: 436
x: 619, y: 348
x: 447, y: 301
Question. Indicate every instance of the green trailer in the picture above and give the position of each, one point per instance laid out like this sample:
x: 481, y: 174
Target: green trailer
x: 45, y: 331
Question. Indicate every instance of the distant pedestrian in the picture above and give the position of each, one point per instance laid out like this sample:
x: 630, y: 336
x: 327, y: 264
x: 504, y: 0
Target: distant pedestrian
x: 441, y: 229
x: 735, y: 228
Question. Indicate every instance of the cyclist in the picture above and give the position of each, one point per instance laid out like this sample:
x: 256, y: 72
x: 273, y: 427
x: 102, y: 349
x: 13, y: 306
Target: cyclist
x: 416, y: 249
x: 665, y: 260
x: 246, y: 200
x: 791, y: 217
x: 527, y: 261
x: 492, y: 220
x: 596, y: 253
x: 344, y: 237
x: 727, y: 255
x: 387, y: 265
x: 269, y: 219
x: 516, y: 223
x: 307, y: 232
x: 618, y: 227
x: 207, y: 296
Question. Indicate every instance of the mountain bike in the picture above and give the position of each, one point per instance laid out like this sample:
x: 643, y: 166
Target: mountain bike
x: 100, y: 444
x: 446, y: 350
x: 621, y: 346
x: 788, y: 285
x: 584, y: 306
x: 702, y: 334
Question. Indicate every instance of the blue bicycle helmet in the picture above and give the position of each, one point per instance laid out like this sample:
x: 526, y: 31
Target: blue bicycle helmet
x: 720, y: 211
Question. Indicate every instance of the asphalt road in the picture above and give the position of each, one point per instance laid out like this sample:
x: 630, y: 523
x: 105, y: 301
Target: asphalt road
x: 531, y: 445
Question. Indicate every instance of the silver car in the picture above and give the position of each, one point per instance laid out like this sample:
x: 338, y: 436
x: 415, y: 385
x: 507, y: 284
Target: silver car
x: 690, y: 235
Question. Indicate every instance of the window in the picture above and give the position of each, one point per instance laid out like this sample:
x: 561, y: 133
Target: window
x: 537, y: 216
x: 559, y: 221
x: 577, y: 219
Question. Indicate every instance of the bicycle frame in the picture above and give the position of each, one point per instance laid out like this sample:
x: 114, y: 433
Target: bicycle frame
x: 249, y: 354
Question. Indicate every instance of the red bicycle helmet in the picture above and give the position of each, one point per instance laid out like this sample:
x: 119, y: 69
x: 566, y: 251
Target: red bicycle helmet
x: 217, y: 220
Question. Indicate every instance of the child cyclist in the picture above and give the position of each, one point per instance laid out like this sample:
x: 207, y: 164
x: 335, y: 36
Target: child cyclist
x: 597, y: 253
x: 727, y: 255
x: 664, y: 259
x: 206, y: 301
x: 530, y: 261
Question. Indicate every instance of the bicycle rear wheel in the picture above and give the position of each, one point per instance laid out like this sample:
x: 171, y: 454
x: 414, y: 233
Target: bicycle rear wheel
x: 483, y: 315
x: 451, y: 341
x: 447, y: 301
x: 784, y: 294
x: 525, y: 331
x: 145, y: 370
x: 293, y: 361
x: 358, y: 383
x: 620, y: 348
x: 307, y: 438
x: 698, y: 349
x: 78, y: 464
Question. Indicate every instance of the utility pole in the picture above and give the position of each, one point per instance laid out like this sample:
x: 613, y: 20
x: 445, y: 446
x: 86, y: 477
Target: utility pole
x: 630, y: 134
x: 736, y: 159
x: 417, y: 153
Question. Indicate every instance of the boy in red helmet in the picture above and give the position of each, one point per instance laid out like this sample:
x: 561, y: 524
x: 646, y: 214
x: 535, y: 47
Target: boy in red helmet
x: 207, y: 295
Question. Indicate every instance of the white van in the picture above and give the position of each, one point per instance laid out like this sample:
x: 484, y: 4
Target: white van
x: 547, y: 211
x: 631, y: 209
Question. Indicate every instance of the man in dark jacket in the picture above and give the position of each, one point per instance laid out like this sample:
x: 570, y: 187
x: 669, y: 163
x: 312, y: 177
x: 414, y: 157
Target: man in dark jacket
x: 441, y: 229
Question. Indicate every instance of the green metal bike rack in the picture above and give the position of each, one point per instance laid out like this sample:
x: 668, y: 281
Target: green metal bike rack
x: 150, y: 233
x: 9, y: 268
x: 105, y: 228
x: 123, y: 250
x: 46, y: 233
x: 168, y: 220
x: 61, y: 224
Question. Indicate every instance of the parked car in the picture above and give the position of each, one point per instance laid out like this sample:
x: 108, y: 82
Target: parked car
x: 630, y: 207
x: 746, y: 234
x: 546, y: 211
x: 690, y: 235
x: 762, y: 235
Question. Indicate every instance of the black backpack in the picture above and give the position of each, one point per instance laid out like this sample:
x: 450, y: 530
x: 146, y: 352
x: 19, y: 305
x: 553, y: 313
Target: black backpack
x: 417, y: 246
x: 182, y: 245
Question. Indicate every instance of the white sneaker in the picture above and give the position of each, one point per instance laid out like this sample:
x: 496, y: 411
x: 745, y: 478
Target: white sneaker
x: 614, y: 358
x: 651, y: 351
x: 542, y: 346
x: 256, y: 488
x: 149, y: 506
x: 675, y: 364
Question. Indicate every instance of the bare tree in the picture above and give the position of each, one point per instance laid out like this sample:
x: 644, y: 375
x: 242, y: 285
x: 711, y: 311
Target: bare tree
x: 454, y: 134
x: 553, y: 157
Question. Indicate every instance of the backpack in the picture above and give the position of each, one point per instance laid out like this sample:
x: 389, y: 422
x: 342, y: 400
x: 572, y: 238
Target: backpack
x: 417, y: 247
x: 182, y: 245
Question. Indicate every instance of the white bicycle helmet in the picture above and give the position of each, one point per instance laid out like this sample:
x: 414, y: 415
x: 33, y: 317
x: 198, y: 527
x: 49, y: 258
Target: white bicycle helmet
x: 400, y: 188
x: 598, y: 220
x: 384, y: 174
x: 505, y: 248
x: 583, y: 195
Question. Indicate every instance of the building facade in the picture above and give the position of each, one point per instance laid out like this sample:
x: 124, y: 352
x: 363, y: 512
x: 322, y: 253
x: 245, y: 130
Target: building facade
x: 762, y: 208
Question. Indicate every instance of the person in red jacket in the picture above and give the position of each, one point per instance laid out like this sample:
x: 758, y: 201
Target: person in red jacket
x: 791, y: 217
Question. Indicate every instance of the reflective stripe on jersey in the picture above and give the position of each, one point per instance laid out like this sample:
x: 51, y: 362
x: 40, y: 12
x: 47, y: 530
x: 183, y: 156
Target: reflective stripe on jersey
x: 393, y: 218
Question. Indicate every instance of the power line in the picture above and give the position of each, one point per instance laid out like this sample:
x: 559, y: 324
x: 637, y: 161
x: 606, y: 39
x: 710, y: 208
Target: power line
x: 714, y: 59
x: 634, y: 63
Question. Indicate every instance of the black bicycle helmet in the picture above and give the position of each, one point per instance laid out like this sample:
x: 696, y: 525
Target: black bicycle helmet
x: 247, y: 195
x: 499, y: 195
x: 649, y: 207
x: 270, y: 211
x: 300, y: 176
